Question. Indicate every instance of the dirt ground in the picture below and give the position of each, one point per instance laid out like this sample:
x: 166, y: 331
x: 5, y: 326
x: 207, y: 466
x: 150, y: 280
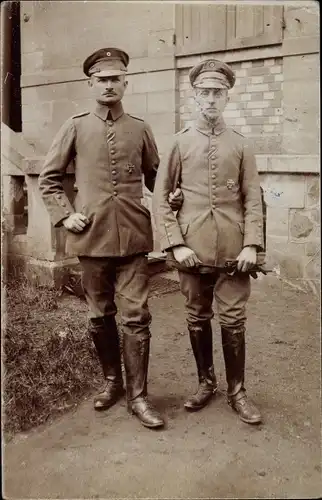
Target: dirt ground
x: 208, y: 454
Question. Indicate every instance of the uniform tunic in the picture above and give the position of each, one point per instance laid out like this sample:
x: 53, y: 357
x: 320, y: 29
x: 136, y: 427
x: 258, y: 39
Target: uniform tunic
x: 222, y: 207
x: 110, y: 156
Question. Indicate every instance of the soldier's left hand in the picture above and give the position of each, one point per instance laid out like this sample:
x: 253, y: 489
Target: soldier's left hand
x: 175, y: 200
x: 246, y: 259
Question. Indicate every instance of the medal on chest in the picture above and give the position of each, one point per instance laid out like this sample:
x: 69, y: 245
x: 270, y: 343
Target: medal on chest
x: 230, y: 183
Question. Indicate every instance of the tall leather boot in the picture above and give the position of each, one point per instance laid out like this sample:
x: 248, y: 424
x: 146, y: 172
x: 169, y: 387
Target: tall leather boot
x: 201, y: 343
x: 106, y: 340
x: 233, y: 343
x: 136, y: 349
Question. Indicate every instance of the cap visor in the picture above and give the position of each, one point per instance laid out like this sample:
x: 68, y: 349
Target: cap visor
x: 109, y: 72
x: 211, y: 84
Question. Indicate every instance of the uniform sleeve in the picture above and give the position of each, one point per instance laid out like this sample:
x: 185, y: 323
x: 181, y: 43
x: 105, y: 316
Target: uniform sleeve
x: 165, y: 220
x: 59, y: 156
x: 253, y: 209
x: 150, y: 158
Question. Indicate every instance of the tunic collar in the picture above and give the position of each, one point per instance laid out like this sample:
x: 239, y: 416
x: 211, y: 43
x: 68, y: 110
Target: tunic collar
x: 103, y: 111
x: 203, y: 126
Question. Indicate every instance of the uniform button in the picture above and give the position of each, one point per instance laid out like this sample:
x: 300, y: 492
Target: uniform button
x: 110, y: 124
x: 169, y: 234
x: 113, y: 172
x: 213, y: 167
x: 112, y: 143
x: 213, y: 176
x: 67, y: 212
x: 63, y: 204
x: 113, y: 162
x: 59, y: 196
x: 114, y: 183
x: 112, y: 151
x: 167, y: 224
x: 115, y: 193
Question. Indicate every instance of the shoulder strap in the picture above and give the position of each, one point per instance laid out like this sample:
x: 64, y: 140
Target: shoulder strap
x: 81, y: 114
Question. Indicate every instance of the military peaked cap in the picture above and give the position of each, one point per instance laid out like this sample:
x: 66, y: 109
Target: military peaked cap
x: 106, y: 62
x: 212, y: 74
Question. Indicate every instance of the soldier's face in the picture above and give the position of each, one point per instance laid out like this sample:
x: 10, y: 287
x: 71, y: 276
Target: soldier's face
x: 108, y: 90
x: 211, y: 102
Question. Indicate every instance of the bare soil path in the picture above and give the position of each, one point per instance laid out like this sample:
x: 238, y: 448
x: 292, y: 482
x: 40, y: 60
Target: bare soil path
x: 209, y: 454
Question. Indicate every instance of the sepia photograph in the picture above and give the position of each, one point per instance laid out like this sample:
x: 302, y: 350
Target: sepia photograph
x: 160, y: 250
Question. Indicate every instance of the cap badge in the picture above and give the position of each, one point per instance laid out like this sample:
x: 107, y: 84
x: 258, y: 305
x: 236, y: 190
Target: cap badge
x: 211, y: 65
x: 108, y: 53
x: 230, y: 183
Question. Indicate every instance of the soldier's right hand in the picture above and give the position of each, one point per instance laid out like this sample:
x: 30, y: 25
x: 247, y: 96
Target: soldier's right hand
x: 184, y: 255
x: 76, y: 222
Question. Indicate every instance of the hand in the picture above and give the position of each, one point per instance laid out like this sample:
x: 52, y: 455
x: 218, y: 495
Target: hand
x: 246, y: 259
x: 76, y: 222
x: 184, y: 255
x: 175, y: 200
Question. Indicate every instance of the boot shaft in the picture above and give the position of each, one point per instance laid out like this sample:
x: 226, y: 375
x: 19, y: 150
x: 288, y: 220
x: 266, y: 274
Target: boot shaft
x: 202, y: 347
x: 233, y: 344
x: 105, y: 337
x: 136, y: 352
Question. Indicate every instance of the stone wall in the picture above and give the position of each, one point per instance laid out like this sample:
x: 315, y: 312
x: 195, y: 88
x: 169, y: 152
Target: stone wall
x: 275, y: 104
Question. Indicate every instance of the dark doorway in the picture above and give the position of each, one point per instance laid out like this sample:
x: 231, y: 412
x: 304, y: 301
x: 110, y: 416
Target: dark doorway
x: 11, y: 69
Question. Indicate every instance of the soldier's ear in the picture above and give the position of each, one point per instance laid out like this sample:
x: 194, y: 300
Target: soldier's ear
x: 90, y: 83
x: 125, y: 83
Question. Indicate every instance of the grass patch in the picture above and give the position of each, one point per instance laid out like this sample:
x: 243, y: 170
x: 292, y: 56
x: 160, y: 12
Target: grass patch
x: 49, y: 361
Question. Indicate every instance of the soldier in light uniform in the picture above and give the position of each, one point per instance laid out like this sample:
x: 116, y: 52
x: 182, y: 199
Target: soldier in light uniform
x: 221, y: 219
x: 108, y: 226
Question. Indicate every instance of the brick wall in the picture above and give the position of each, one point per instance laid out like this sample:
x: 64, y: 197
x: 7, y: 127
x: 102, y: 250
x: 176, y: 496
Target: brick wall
x: 255, y: 107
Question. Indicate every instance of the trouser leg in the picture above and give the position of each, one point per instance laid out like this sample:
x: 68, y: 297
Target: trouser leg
x: 132, y: 288
x: 98, y: 284
x: 232, y: 294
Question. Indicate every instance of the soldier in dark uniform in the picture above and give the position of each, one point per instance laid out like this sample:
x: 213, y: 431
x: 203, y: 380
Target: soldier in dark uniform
x: 221, y: 219
x: 109, y: 226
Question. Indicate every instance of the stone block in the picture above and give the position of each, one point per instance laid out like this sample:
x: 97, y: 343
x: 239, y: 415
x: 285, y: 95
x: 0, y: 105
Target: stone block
x: 312, y: 268
x: 312, y: 248
x: 301, y: 21
x: 160, y: 43
x: 164, y: 142
x: 161, y: 102
x: 40, y: 112
x: 161, y: 123
x: 293, y: 163
x: 301, y: 224
x: 40, y: 233
x: 301, y: 67
x: 303, y: 143
x: 62, y: 110
x: 135, y: 104
x: 277, y: 220
x: 153, y: 82
x: 289, y: 257
x: 283, y: 191
x: 312, y: 191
